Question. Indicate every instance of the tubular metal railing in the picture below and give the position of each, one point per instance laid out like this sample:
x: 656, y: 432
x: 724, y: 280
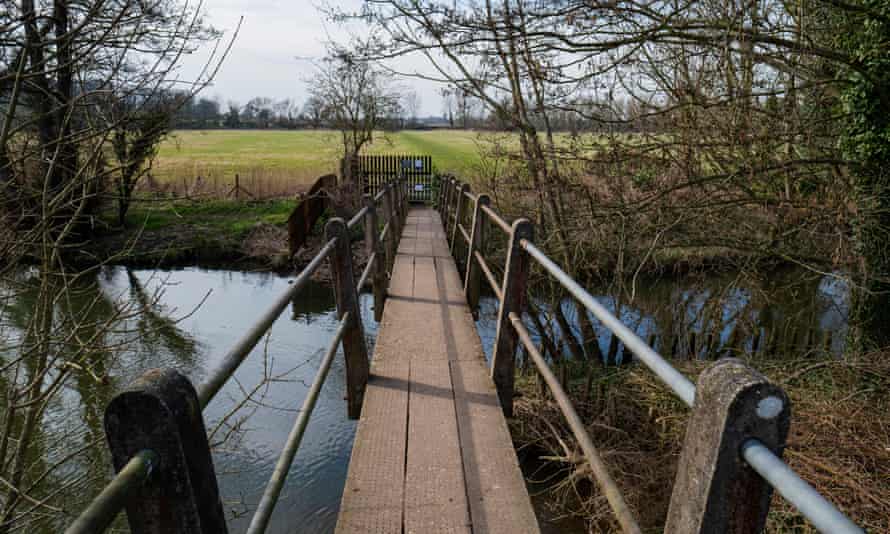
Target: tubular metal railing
x: 155, y: 429
x: 731, y: 457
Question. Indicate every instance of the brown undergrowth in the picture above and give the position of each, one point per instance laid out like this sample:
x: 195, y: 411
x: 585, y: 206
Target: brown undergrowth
x: 839, y: 439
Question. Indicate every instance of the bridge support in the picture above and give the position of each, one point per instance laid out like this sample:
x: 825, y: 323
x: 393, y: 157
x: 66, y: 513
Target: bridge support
x: 160, y: 412
x: 716, y: 491
x: 472, y: 282
x: 357, y: 368
x: 503, y: 361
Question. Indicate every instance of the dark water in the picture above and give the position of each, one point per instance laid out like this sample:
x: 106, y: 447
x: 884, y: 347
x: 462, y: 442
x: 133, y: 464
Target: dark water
x: 195, y: 315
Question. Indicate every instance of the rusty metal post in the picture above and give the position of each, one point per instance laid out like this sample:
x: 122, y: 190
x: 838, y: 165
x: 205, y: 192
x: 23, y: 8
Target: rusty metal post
x: 159, y: 412
x: 354, y: 347
x: 458, y: 213
x: 513, y: 290
x: 390, y: 238
x: 472, y: 281
x: 374, y: 250
x: 716, y: 491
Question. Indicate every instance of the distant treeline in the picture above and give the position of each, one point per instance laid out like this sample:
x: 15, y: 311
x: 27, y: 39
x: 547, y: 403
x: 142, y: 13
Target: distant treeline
x: 267, y: 113
x: 199, y: 113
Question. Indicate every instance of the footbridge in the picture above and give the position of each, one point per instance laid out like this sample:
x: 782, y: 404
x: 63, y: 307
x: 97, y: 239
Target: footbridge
x: 432, y: 451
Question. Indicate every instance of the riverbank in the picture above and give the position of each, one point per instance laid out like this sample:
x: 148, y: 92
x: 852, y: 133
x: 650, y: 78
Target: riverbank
x: 836, y: 442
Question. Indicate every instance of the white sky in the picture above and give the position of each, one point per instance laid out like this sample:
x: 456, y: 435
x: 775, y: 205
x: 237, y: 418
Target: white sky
x: 265, y: 59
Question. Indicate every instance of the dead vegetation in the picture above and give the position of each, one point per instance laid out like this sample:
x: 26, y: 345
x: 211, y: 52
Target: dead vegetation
x: 839, y: 439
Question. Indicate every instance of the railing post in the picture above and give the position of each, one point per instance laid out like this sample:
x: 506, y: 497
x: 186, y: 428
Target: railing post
x: 514, y: 295
x: 443, y: 194
x: 461, y: 201
x: 715, y: 490
x: 472, y: 281
x: 452, y: 187
x: 374, y: 249
x: 347, y: 301
x: 390, y: 239
x: 160, y: 412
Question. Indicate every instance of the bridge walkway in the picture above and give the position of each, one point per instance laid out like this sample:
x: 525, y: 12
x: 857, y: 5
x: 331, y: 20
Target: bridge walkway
x: 432, y: 450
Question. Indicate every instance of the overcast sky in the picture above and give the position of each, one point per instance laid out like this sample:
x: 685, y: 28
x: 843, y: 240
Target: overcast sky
x: 265, y: 59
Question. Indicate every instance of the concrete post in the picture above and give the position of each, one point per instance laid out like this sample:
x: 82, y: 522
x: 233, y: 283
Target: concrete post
x: 160, y: 412
x: 503, y: 360
x: 715, y: 490
x: 354, y: 348
x: 472, y: 281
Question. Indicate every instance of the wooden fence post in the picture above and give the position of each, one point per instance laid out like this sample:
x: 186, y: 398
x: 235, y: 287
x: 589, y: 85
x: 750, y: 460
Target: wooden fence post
x: 514, y: 296
x: 374, y: 249
x: 390, y: 239
x: 715, y: 490
x: 472, y: 281
x: 354, y: 347
x: 160, y: 412
x: 458, y: 213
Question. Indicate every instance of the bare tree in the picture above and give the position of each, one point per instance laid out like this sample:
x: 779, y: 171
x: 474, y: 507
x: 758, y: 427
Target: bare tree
x: 357, y: 99
x: 79, y: 82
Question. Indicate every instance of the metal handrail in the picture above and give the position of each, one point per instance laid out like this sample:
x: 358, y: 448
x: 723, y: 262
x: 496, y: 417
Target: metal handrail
x: 357, y: 218
x: 493, y: 215
x: 811, y: 504
x: 102, y: 510
x: 365, y: 273
x: 489, y: 276
x: 597, y: 466
x: 463, y: 232
x: 233, y: 359
x: 263, y: 513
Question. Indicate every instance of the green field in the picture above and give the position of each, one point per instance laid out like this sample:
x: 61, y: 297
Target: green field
x: 297, y: 156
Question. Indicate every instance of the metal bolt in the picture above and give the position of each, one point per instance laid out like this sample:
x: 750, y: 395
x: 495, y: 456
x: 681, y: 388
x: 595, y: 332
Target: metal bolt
x: 769, y: 407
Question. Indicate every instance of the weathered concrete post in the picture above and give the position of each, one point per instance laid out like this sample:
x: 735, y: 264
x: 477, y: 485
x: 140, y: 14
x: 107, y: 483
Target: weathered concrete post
x: 458, y: 213
x: 449, y: 206
x: 715, y: 490
x: 440, y: 194
x: 354, y: 347
x: 503, y: 360
x: 446, y: 194
x: 160, y: 412
x: 391, y: 236
x: 472, y: 280
x: 374, y: 249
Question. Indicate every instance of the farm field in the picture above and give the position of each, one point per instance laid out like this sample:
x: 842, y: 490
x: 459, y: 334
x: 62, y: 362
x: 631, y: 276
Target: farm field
x: 281, y: 160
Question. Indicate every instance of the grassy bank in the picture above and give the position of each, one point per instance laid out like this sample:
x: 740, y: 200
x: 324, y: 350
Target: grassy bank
x: 836, y: 441
x: 170, y: 233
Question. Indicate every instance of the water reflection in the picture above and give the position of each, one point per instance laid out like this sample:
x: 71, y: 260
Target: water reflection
x: 785, y: 313
x: 188, y: 319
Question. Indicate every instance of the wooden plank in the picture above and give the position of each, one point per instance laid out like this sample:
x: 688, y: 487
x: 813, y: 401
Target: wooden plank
x: 435, y: 493
x: 374, y: 491
x: 431, y: 404
x: 498, y: 499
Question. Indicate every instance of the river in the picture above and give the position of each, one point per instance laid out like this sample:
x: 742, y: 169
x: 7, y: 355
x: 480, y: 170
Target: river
x: 196, y: 314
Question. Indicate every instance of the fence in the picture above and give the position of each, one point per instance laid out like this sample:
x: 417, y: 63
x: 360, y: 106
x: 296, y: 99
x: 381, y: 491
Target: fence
x: 155, y: 429
x: 731, y: 457
x: 416, y: 170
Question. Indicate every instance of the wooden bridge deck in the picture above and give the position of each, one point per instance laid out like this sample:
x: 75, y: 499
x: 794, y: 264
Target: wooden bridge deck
x: 432, y: 451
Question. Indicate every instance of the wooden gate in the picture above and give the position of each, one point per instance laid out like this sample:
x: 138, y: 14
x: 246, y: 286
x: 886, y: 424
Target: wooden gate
x: 375, y: 170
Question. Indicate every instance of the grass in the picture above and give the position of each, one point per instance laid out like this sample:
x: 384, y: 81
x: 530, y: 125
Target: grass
x: 297, y: 156
x: 231, y: 217
x: 835, y: 443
